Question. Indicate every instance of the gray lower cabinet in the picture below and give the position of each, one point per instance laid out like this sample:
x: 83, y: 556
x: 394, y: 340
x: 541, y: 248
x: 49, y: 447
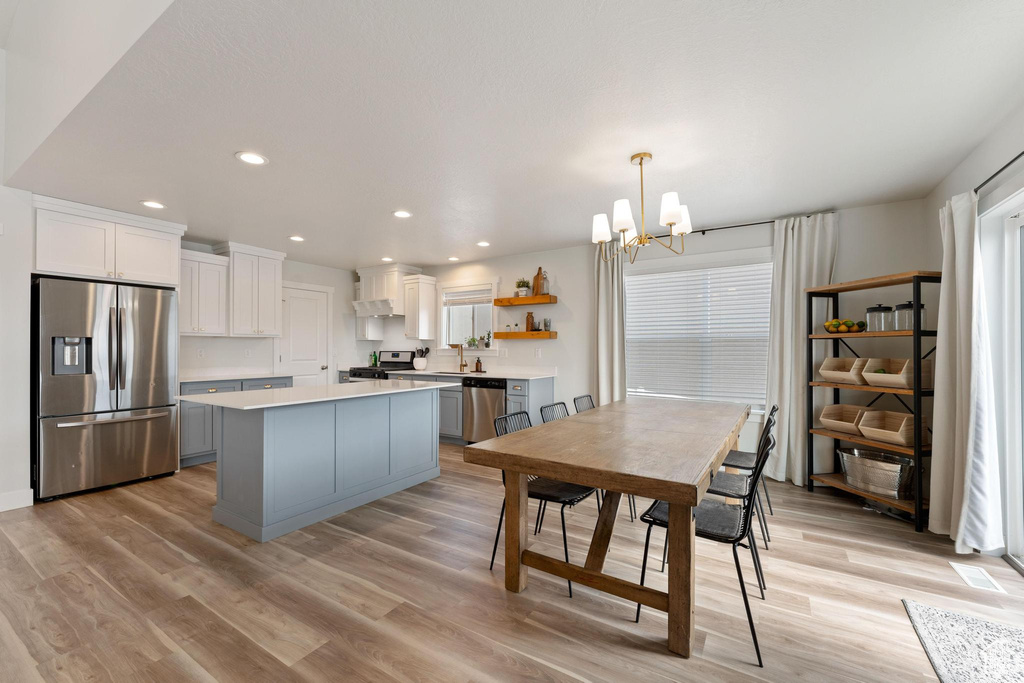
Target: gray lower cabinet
x: 514, y: 404
x: 530, y: 395
x: 450, y: 413
x: 198, y: 435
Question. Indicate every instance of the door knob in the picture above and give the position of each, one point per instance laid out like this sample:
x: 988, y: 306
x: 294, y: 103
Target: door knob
x: 120, y: 274
x: 323, y: 367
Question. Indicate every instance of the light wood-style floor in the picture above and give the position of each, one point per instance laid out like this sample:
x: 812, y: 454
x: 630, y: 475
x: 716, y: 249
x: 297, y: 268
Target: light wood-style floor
x: 137, y: 583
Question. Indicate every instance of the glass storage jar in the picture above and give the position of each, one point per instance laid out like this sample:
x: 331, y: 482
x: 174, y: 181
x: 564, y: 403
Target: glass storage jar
x: 879, y: 318
x: 904, y: 318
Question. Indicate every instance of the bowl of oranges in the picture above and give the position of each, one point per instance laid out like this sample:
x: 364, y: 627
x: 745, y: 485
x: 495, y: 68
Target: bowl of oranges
x: 838, y: 326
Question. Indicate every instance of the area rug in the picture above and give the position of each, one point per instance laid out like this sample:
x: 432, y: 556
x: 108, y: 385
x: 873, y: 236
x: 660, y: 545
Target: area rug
x: 965, y: 649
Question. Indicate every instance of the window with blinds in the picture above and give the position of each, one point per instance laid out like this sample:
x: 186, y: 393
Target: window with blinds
x: 466, y: 312
x: 700, y: 333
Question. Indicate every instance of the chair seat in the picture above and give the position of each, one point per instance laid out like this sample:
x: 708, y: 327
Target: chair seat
x: 713, y: 520
x: 559, y: 492
x: 743, y: 460
x: 731, y: 485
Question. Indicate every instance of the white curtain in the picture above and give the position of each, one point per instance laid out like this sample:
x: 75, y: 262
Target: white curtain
x: 965, y: 498
x: 804, y: 255
x: 1001, y: 255
x: 611, y: 330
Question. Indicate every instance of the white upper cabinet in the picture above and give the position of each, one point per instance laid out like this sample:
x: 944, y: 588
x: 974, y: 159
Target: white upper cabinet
x: 419, y: 303
x: 382, y: 287
x: 74, y: 245
x: 203, y: 294
x: 256, y: 289
x: 145, y: 255
x: 77, y: 239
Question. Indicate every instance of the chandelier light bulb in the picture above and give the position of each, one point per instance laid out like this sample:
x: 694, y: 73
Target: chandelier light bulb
x: 683, y: 227
x: 602, y: 232
x: 622, y: 216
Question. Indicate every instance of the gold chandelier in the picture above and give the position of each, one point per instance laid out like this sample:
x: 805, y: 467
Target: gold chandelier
x: 674, y: 216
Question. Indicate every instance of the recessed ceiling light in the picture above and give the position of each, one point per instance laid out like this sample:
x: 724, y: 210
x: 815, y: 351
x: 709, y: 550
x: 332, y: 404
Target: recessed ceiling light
x: 252, y: 158
x: 453, y: 258
x: 387, y: 259
x: 402, y: 214
x: 483, y: 244
x: 297, y: 238
x: 151, y: 204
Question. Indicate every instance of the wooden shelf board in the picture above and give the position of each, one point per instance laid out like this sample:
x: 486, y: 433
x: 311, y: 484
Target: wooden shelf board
x: 890, y: 333
x: 838, y: 481
x: 526, y: 335
x: 538, y: 300
x: 865, y: 387
x: 881, y: 445
x: 874, y: 282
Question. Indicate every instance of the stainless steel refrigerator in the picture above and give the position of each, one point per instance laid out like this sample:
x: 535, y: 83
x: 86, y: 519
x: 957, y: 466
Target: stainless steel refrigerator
x: 105, y: 367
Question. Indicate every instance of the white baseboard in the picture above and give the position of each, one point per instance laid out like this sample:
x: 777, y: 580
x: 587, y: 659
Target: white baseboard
x: 10, y: 500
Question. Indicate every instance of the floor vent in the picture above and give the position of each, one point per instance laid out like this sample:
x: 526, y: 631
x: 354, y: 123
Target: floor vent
x: 976, y: 577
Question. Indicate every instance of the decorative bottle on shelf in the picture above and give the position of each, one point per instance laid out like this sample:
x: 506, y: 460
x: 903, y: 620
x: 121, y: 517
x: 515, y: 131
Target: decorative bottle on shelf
x: 545, y: 286
x: 517, y: 327
x: 529, y: 321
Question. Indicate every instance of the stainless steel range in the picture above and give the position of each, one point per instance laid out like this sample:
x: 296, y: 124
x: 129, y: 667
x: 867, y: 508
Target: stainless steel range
x: 388, y: 361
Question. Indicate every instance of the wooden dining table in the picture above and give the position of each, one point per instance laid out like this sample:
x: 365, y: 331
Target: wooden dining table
x: 656, y: 448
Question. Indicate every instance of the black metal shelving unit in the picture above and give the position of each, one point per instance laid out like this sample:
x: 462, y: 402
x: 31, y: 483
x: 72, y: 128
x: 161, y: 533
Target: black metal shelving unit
x: 917, y: 508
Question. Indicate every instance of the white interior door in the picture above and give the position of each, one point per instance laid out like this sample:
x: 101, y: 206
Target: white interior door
x: 304, y: 345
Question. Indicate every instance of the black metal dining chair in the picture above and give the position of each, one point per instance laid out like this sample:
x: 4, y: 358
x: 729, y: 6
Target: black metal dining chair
x: 539, y: 488
x: 737, y: 485
x: 550, y: 413
x: 744, y: 460
x: 723, y: 523
x: 584, y: 403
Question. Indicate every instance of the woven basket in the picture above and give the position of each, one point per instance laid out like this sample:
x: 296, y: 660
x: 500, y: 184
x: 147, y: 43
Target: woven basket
x: 843, y: 370
x: 844, y: 418
x: 889, y: 427
x: 899, y: 373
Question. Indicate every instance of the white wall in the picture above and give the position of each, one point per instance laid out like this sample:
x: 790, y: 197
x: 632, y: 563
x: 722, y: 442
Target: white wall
x: 1004, y: 143
x: 16, y: 256
x: 58, y: 50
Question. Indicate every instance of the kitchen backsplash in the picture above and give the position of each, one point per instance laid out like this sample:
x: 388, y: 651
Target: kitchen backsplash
x: 228, y: 354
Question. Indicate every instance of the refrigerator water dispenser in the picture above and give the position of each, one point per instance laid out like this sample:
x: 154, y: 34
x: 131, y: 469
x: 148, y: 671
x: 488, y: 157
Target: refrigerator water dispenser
x: 72, y: 355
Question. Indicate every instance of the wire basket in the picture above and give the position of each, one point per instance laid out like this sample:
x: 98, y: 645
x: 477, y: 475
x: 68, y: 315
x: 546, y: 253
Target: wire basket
x: 878, y: 472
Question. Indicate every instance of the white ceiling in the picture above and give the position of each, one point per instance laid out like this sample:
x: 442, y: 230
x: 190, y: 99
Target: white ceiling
x: 513, y: 121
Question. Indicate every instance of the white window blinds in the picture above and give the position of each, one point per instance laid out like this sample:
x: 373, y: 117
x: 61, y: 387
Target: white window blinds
x: 699, y: 333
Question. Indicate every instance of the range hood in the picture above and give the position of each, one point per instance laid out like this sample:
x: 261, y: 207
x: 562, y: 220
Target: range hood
x: 380, y: 290
x: 370, y: 308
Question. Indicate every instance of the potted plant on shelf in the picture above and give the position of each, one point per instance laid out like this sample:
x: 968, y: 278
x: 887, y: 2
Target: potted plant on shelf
x: 522, y: 287
x: 487, y: 340
x: 471, y: 342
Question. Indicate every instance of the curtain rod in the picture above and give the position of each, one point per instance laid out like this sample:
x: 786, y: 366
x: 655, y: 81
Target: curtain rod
x: 738, y: 225
x: 996, y: 174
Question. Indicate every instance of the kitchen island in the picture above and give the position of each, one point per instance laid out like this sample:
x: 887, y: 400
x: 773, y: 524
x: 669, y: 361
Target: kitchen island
x: 287, y: 458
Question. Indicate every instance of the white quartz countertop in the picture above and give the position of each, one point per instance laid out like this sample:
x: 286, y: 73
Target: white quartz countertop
x: 276, y: 398
x: 493, y: 373
x: 227, y: 377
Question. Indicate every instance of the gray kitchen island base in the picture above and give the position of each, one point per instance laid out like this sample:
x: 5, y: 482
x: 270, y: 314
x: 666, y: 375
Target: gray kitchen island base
x: 285, y: 466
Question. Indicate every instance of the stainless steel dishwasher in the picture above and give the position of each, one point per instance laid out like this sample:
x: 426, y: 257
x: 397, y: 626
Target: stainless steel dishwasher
x: 482, y: 400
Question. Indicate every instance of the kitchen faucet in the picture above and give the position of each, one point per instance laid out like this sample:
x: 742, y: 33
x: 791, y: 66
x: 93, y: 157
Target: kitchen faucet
x: 462, y: 363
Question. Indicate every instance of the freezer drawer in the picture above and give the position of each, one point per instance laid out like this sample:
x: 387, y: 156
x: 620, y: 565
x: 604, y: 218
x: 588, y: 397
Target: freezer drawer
x: 86, y: 451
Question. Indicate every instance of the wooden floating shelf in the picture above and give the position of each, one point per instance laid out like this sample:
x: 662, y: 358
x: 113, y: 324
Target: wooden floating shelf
x: 868, y: 387
x: 881, y: 445
x: 526, y: 335
x: 538, y: 300
x: 838, y: 481
x: 874, y: 282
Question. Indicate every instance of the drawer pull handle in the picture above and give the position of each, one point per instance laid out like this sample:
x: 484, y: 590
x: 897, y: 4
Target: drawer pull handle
x: 212, y: 391
x: 267, y: 386
x: 516, y: 386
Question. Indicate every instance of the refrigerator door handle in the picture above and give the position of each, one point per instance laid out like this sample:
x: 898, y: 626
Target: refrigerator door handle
x: 111, y: 346
x: 93, y: 423
x: 122, y: 368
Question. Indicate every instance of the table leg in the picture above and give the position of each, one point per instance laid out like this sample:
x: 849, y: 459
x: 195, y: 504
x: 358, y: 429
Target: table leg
x: 603, y: 531
x: 516, y: 508
x: 680, y: 579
